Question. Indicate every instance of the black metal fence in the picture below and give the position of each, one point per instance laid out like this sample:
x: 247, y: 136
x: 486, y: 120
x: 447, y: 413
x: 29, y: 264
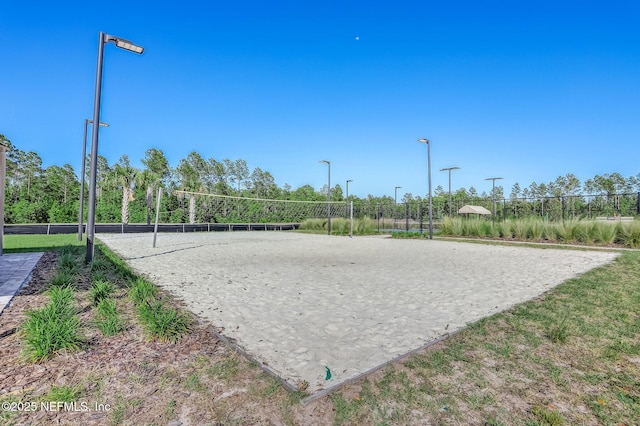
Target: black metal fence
x: 414, y: 214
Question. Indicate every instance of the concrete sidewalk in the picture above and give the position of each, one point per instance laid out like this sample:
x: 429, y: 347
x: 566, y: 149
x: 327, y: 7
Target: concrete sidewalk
x: 15, y: 271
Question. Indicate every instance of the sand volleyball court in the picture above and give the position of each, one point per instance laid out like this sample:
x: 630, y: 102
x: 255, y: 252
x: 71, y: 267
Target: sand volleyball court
x: 299, y: 303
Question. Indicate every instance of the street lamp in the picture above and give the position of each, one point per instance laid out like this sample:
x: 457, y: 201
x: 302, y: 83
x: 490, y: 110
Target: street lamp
x: 428, y: 142
x: 449, y: 169
x: 328, y: 163
x: 350, y: 180
x: 84, y: 155
x: 91, y: 215
x: 493, y: 195
x: 395, y: 206
x: 3, y: 168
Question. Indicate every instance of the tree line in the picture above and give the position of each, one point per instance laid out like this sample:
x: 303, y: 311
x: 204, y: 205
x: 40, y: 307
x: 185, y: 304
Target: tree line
x: 126, y: 194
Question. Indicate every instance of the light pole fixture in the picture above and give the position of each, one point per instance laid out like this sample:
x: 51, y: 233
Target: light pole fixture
x: 449, y: 169
x: 84, y: 156
x: 328, y: 163
x: 395, y: 195
x: 91, y: 214
x: 428, y: 142
x: 493, y: 195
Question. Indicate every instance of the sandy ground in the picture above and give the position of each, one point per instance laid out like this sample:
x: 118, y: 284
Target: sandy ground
x: 302, y: 303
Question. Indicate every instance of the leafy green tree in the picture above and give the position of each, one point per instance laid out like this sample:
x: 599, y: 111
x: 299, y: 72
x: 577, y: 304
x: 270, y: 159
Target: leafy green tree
x: 191, y: 171
x: 238, y: 173
x: 61, y: 183
x: 515, y: 191
x: 306, y: 193
x: 261, y: 183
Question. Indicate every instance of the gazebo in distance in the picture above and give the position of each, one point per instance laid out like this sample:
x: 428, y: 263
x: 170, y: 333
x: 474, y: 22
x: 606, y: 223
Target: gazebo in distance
x: 473, y: 210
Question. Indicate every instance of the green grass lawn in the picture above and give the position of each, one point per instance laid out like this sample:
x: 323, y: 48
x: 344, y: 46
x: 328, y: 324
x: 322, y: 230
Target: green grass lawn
x: 34, y: 243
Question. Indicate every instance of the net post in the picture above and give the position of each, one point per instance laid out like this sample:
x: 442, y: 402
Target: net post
x: 155, y: 227
x: 407, y: 213
x: 351, y: 215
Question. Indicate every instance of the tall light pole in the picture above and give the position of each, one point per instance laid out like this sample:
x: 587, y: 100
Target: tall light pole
x: 350, y: 180
x: 449, y: 169
x: 91, y: 215
x: 395, y: 206
x: 3, y: 168
x: 428, y: 142
x: 493, y: 195
x: 328, y: 163
x: 84, y: 156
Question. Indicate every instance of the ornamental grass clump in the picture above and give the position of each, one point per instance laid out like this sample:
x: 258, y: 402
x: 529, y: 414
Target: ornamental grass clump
x: 340, y: 226
x: 68, y: 262
x: 62, y: 279
x: 471, y: 228
x: 485, y: 229
x: 630, y: 234
x: 535, y: 229
x: 107, y: 318
x: 606, y: 233
x: 519, y: 229
x: 313, y: 225
x: 53, y: 328
x: 163, y: 323
x: 364, y: 226
x: 100, y: 290
x: 142, y: 291
x: 585, y: 232
x: 567, y: 232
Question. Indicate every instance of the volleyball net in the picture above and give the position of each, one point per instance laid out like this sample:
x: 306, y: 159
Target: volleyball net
x: 195, y: 207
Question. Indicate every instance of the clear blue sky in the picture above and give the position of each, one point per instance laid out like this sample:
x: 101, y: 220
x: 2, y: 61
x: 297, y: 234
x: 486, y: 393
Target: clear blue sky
x: 525, y: 90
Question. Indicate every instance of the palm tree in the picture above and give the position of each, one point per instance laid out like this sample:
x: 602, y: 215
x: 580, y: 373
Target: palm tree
x: 157, y: 170
x: 126, y: 176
